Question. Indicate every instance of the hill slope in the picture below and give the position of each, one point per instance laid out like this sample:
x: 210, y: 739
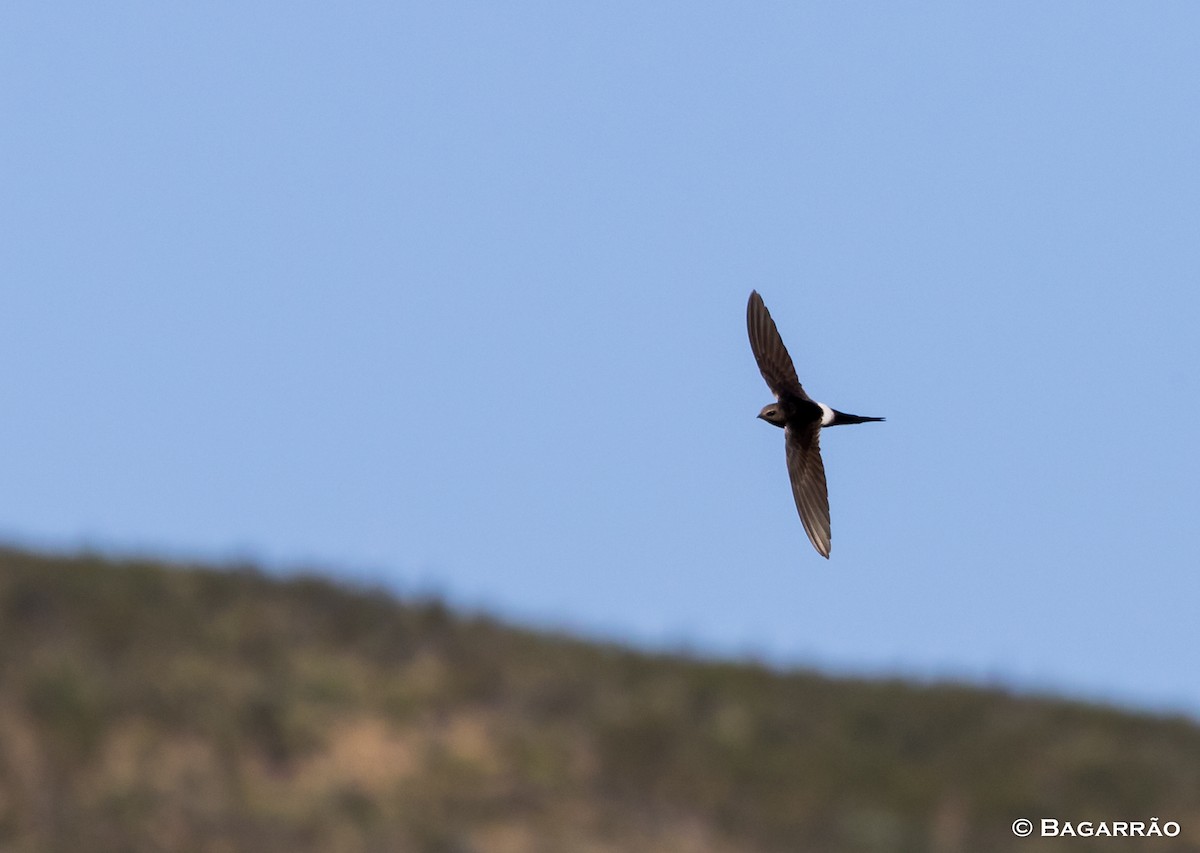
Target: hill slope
x: 181, y: 709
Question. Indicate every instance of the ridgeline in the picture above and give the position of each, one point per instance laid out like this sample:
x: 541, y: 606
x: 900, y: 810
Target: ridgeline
x: 146, y: 707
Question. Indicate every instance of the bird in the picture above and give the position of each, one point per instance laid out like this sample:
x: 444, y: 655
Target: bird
x: 802, y: 419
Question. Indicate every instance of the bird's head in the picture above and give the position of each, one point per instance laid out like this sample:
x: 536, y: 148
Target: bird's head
x: 773, y: 414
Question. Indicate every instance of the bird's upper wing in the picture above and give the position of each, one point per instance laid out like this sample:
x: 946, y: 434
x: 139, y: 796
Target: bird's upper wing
x: 769, y: 351
x: 807, y: 473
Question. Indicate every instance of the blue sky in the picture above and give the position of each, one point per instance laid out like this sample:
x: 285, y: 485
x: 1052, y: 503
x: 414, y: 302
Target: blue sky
x: 452, y: 296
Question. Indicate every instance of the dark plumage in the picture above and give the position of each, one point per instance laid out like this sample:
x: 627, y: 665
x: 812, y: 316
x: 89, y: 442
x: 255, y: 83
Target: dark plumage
x: 801, y: 418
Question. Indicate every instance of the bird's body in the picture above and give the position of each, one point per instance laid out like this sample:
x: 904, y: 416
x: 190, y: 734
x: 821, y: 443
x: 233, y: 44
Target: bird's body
x: 801, y: 418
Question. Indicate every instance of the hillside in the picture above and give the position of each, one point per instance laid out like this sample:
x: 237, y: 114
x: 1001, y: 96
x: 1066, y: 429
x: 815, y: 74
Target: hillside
x: 154, y: 708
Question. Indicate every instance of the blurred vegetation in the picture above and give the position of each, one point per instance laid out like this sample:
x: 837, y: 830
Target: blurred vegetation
x: 146, y: 707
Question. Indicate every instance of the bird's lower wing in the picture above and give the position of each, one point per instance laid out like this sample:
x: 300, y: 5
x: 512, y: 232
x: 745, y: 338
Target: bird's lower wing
x: 807, y: 473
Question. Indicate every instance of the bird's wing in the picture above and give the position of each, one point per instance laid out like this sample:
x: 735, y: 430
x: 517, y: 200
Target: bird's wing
x: 769, y: 351
x: 807, y: 473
